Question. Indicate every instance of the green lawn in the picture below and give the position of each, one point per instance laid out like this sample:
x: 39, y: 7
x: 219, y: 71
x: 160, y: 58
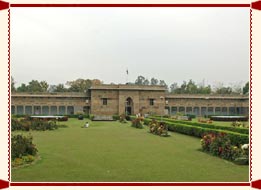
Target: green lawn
x: 111, y: 151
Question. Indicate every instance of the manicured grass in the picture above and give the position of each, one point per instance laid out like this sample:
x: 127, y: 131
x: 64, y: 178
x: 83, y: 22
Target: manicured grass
x: 111, y: 151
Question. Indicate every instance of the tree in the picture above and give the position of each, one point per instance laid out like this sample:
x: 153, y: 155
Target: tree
x: 44, y: 86
x: 205, y: 89
x: 36, y: 86
x: 173, y: 87
x: 12, y: 85
x: 140, y: 80
x: 22, y: 88
x: 246, y: 88
x: 224, y: 90
x: 191, y: 87
x: 162, y: 83
x: 60, y: 88
x: 154, y: 81
x: 81, y: 85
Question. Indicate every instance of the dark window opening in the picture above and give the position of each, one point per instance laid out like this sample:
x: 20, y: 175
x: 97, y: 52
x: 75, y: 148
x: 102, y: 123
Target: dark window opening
x: 104, y: 101
x: 151, y: 102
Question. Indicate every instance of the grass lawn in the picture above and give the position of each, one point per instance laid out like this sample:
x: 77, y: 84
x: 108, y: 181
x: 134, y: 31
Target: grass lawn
x: 111, y: 151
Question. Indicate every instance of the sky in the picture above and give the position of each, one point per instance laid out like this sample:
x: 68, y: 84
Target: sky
x: 171, y: 44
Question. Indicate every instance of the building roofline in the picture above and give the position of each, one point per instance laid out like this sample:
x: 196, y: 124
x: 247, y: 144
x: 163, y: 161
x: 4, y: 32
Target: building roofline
x: 129, y: 87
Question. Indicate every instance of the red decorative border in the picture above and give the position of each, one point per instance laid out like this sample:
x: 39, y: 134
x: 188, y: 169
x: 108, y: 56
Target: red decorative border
x: 129, y: 184
x: 250, y: 96
x: 9, y: 96
x: 254, y: 5
x: 129, y: 5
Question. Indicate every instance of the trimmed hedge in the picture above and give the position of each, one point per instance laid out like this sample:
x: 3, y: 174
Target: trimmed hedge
x: 207, y: 125
x: 197, y: 131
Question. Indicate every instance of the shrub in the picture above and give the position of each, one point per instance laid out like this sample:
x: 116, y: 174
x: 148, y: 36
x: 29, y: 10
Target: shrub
x: 64, y: 118
x: 115, y: 117
x: 191, y: 116
x: 80, y: 117
x: 137, y: 122
x: 208, y: 125
x: 158, y: 128
x: 221, y: 146
x: 197, y: 131
x: 128, y: 118
x: 91, y: 117
x: 22, y: 146
x: 122, y: 118
x: 77, y: 115
x: 33, y: 124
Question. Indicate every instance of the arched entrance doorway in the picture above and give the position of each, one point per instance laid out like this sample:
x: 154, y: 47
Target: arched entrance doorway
x: 129, y: 106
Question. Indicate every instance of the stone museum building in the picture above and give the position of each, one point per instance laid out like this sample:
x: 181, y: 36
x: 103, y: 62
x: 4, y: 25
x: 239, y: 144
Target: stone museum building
x: 108, y: 100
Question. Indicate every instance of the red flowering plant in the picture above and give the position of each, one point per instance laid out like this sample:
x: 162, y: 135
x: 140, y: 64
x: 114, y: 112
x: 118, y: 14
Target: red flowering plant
x: 158, y: 128
x: 217, y: 145
x: 206, y: 141
x: 220, y: 145
x: 137, y: 122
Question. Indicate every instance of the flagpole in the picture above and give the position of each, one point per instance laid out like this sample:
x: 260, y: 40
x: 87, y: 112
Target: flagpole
x: 127, y: 74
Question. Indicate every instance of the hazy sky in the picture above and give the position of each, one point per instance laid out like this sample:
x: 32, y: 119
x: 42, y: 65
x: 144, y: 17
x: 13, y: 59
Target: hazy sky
x: 173, y: 44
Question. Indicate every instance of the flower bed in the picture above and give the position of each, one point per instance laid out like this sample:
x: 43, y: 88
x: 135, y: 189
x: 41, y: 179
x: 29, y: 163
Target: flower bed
x: 208, y: 125
x: 220, y: 145
x: 158, y: 128
x: 237, y: 139
x: 23, y: 151
x: 33, y: 124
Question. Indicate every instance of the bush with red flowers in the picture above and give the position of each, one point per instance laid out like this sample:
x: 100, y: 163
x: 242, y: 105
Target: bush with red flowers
x: 220, y: 145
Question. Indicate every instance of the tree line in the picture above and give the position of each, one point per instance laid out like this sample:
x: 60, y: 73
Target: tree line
x: 81, y: 85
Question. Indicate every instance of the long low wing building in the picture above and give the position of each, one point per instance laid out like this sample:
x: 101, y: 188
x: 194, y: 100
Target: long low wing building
x: 108, y: 100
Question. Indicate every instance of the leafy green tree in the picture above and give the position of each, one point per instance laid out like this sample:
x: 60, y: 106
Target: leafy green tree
x: 246, y: 88
x: 81, y: 85
x: 204, y: 89
x: 224, y: 90
x: 191, y: 87
x: 154, y: 81
x: 22, y: 88
x: 162, y: 83
x: 34, y: 86
x: 140, y: 80
x: 60, y: 88
x: 12, y: 85
x: 173, y: 87
x: 44, y: 86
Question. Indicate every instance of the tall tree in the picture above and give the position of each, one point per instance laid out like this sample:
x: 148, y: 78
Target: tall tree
x: 162, y: 83
x: 35, y: 86
x: 22, y: 88
x: 140, y: 80
x: 191, y: 87
x: 154, y: 81
x: 81, y: 85
x: 44, y: 86
x: 173, y: 87
x: 246, y: 88
x: 12, y: 85
x: 60, y: 88
x: 224, y: 90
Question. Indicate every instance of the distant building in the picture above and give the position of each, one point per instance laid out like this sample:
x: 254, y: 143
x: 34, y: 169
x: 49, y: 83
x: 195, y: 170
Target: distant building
x: 108, y: 100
